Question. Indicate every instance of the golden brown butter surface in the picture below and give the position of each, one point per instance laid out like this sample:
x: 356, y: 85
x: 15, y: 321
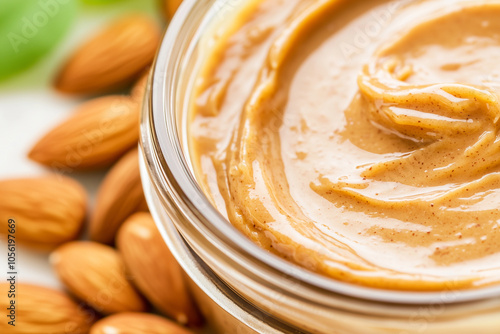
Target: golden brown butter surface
x: 359, y: 139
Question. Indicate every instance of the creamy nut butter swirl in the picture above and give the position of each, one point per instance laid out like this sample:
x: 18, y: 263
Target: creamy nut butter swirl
x: 358, y: 139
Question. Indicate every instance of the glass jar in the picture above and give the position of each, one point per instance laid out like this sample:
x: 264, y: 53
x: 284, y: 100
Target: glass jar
x: 240, y: 287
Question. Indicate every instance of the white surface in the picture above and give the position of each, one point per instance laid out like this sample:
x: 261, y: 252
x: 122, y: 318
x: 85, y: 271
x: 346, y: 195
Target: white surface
x: 29, y: 107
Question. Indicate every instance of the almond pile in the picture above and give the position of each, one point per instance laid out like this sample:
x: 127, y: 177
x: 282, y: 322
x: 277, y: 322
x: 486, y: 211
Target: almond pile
x: 137, y: 287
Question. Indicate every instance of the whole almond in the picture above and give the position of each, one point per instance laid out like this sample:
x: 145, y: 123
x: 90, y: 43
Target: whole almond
x: 98, y: 134
x: 119, y: 196
x: 46, y: 211
x: 157, y: 275
x: 139, y: 89
x: 95, y: 274
x: 170, y: 7
x: 111, y: 59
x: 136, y: 323
x: 42, y: 310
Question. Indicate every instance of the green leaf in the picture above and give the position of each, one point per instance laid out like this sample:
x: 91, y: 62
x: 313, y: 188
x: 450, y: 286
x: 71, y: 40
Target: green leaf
x: 100, y: 2
x: 29, y: 29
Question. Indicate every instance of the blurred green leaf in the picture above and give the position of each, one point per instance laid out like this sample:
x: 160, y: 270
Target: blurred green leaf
x: 29, y: 29
x: 99, y: 2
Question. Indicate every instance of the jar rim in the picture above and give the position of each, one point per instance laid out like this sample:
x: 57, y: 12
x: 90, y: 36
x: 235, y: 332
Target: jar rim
x: 168, y: 166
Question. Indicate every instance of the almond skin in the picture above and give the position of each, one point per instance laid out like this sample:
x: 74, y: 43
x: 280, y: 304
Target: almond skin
x: 43, y: 310
x: 47, y: 210
x: 156, y: 272
x: 95, y: 274
x: 111, y: 59
x: 98, y: 134
x: 119, y: 196
x: 139, y: 89
x: 136, y: 323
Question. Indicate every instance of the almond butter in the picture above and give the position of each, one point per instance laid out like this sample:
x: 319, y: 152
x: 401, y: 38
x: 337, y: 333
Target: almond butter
x: 46, y: 210
x: 98, y: 134
x: 156, y: 272
x: 95, y: 274
x: 42, y: 310
x: 111, y: 59
x: 136, y: 323
x: 119, y: 196
x: 170, y: 7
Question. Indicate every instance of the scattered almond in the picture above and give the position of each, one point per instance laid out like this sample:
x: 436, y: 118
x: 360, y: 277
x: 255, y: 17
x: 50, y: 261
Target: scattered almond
x: 42, y: 310
x: 139, y: 89
x: 46, y: 210
x: 136, y: 323
x: 156, y: 272
x: 170, y: 7
x: 95, y: 274
x: 99, y: 133
x: 119, y: 196
x: 112, y: 58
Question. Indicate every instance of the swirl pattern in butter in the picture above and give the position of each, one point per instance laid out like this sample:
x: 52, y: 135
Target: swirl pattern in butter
x: 375, y: 163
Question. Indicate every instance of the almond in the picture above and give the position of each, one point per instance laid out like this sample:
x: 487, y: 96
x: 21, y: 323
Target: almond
x: 46, y: 210
x: 42, y: 310
x: 156, y: 272
x: 119, y: 196
x: 99, y: 133
x: 170, y: 7
x: 139, y: 90
x: 136, y: 323
x: 111, y: 59
x: 95, y: 274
